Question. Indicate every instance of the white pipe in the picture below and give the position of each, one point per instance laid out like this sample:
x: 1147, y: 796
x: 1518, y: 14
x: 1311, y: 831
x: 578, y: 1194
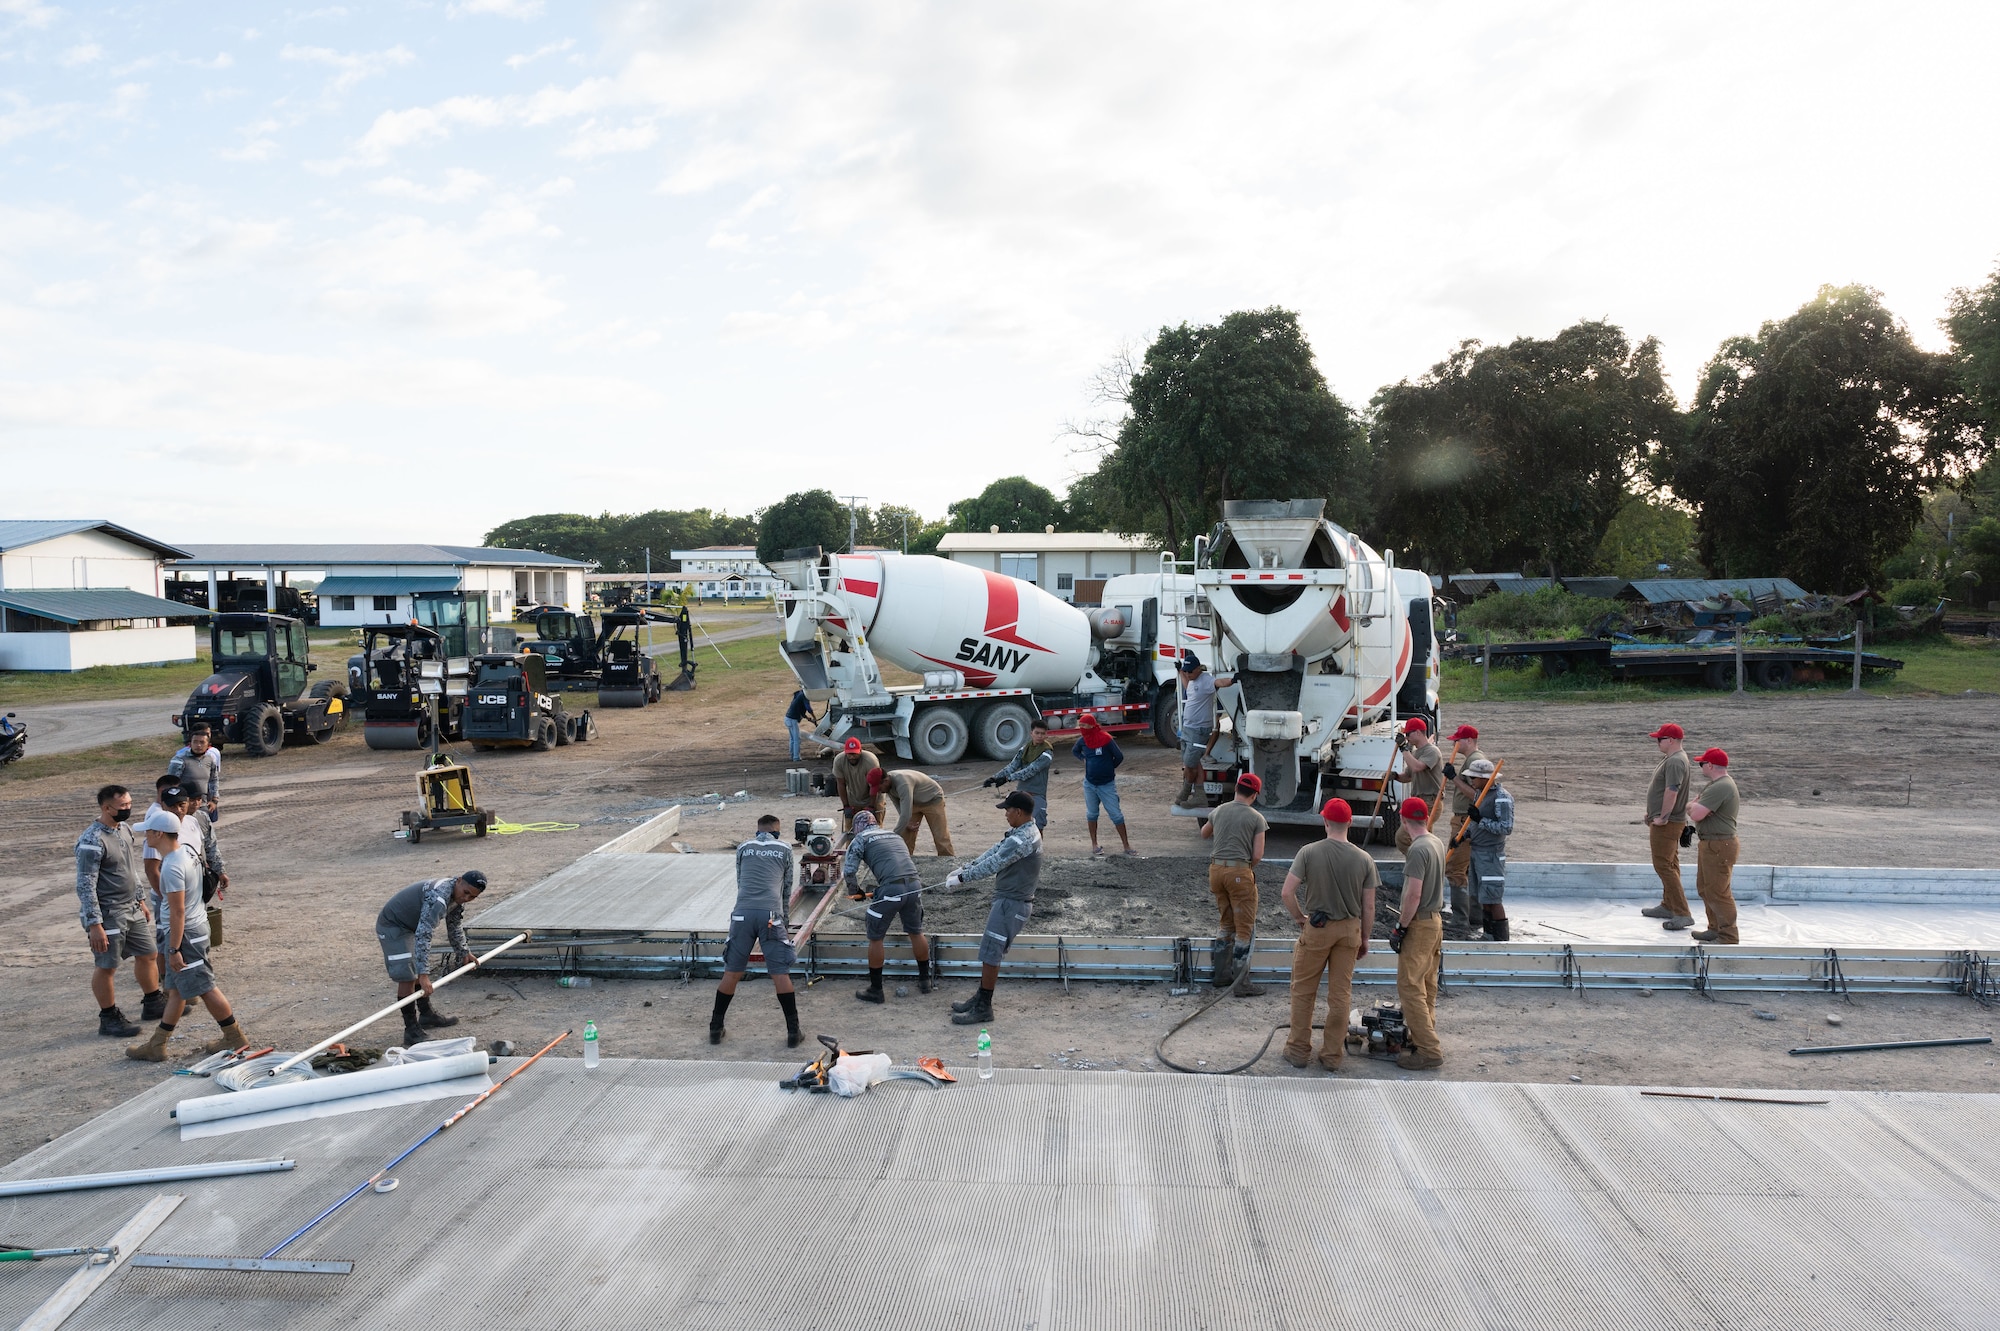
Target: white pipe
x: 131, y: 1177
x: 259, y: 1099
x: 396, y: 1006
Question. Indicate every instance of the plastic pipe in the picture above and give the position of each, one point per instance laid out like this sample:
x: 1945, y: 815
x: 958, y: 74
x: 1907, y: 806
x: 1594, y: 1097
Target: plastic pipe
x: 396, y: 1006
x: 258, y: 1099
x: 1889, y: 1044
x: 131, y: 1177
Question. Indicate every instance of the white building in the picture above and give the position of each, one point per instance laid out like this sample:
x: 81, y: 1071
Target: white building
x: 373, y: 584
x: 75, y: 594
x: 1070, y: 564
x: 726, y: 572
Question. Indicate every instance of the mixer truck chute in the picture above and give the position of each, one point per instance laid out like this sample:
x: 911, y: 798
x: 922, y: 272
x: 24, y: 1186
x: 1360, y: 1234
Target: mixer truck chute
x: 991, y: 652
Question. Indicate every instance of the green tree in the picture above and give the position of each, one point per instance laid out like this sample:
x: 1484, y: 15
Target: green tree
x: 805, y: 518
x: 1974, y: 325
x: 894, y: 524
x: 1522, y: 455
x: 1645, y: 534
x: 1013, y: 504
x: 1812, y: 444
x: 571, y: 535
x: 1235, y: 410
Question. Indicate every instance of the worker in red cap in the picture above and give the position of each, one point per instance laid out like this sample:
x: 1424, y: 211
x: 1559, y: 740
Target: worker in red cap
x: 1666, y: 820
x: 1237, y: 830
x: 1101, y: 758
x: 850, y: 782
x: 1330, y: 894
x: 1458, y: 863
x: 1714, y: 813
x: 1422, y: 770
x: 1418, y: 940
x: 919, y: 803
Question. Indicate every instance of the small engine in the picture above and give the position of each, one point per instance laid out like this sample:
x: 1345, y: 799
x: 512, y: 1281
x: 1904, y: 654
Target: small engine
x: 820, y: 866
x: 1381, y: 1031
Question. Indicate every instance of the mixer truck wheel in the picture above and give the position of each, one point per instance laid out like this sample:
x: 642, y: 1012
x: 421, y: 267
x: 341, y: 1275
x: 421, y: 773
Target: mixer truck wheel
x: 938, y: 736
x: 1001, y: 730
x: 1166, y: 718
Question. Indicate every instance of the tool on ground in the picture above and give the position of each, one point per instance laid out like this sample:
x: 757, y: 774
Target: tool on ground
x: 90, y: 1277
x: 397, y: 1006
x: 1465, y: 828
x: 9, y: 1253
x: 228, y: 1058
x: 1738, y: 1099
x: 927, y: 1069
x: 813, y: 1076
x: 444, y: 794
x: 270, y: 1262
x: 1890, y: 1044
x: 126, y: 1178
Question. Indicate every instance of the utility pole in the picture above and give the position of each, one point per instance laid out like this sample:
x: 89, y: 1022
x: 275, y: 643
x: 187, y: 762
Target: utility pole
x: 852, y: 518
x: 649, y: 601
x: 906, y: 533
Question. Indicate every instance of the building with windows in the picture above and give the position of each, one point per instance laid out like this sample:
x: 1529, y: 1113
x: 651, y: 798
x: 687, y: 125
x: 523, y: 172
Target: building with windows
x: 723, y: 572
x: 373, y: 584
x: 1070, y: 564
x: 79, y: 593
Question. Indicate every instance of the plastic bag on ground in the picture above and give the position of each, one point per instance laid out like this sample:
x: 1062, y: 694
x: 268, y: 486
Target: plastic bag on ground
x: 854, y: 1073
x: 428, y: 1050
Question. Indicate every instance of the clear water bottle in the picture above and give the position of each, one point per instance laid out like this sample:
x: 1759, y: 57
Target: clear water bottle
x: 574, y: 982
x: 985, y: 1055
x: 590, y: 1045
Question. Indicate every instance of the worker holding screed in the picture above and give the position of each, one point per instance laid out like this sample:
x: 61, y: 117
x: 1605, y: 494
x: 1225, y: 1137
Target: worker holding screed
x: 1330, y: 895
x: 1458, y: 859
x: 898, y: 896
x: 1490, y: 822
x: 765, y: 872
x: 182, y: 934
x: 1030, y: 770
x: 404, y: 928
x: 919, y: 802
x: 1423, y: 771
x: 1015, y: 865
x: 1714, y: 814
x: 1418, y: 941
x: 1666, y: 820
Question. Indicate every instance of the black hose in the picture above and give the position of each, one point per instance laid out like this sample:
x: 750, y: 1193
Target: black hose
x: 1160, y: 1049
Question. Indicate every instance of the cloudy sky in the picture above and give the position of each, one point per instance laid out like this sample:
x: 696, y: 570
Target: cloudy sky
x: 403, y: 270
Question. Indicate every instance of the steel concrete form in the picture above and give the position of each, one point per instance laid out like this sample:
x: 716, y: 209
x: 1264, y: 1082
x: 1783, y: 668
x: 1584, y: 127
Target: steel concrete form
x: 697, y: 1195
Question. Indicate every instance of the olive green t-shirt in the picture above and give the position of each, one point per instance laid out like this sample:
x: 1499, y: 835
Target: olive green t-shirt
x: 1673, y: 772
x: 1234, y: 827
x: 1719, y: 797
x: 1426, y: 767
x: 1424, y: 863
x: 1332, y: 876
x: 1460, y: 801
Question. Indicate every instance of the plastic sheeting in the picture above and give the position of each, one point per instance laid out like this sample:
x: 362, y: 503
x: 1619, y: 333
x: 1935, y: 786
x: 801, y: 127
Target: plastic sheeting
x: 1851, y: 924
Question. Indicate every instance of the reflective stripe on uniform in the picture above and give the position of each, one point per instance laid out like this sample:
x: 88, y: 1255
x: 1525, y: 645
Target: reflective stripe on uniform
x: 399, y: 956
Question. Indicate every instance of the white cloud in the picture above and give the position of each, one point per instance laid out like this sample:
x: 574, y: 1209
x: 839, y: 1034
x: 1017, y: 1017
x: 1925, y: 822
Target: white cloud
x: 29, y: 13
x: 515, y: 9
x: 22, y: 118
x: 593, y: 139
x: 553, y: 48
x: 459, y: 185
x: 83, y: 53
x: 349, y: 68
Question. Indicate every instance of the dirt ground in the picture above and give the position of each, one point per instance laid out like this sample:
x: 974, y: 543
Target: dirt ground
x: 309, y: 839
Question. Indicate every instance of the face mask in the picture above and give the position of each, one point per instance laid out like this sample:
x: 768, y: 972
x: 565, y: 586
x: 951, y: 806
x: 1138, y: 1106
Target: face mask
x: 121, y: 815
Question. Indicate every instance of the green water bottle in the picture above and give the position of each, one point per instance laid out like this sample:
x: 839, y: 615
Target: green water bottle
x: 590, y: 1044
x: 985, y: 1055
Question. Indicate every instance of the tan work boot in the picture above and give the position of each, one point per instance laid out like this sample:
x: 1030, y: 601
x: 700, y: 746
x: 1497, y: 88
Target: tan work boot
x: 231, y: 1037
x: 1243, y: 988
x: 1185, y: 800
x: 1298, y: 1060
x: 154, y: 1049
x: 1415, y: 1060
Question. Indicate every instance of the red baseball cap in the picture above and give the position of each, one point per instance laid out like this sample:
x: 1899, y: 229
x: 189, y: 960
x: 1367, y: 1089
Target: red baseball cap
x: 1086, y: 722
x: 1415, y: 810
x: 1669, y: 731
x: 876, y: 776
x: 1416, y: 723
x: 1336, y: 811
x: 1715, y: 756
x: 853, y: 744
x: 1466, y: 732
x: 1250, y: 781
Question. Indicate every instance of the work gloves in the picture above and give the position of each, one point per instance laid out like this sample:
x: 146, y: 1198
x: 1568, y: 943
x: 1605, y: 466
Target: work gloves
x: 1396, y: 937
x: 1474, y: 814
x: 952, y: 879
x: 1687, y: 834
x: 1450, y: 771
x: 991, y: 782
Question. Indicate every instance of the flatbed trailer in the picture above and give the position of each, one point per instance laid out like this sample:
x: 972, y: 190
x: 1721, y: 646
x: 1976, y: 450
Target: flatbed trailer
x: 1766, y: 665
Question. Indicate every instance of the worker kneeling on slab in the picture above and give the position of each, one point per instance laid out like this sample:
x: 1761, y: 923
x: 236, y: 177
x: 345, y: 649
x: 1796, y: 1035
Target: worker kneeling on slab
x: 765, y: 872
x: 1489, y: 822
x: 1418, y: 940
x: 898, y: 895
x: 1330, y: 894
x: 182, y: 934
x: 404, y: 928
x: 1015, y: 865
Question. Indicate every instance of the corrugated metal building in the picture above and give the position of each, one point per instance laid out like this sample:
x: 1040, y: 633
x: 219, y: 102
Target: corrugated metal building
x: 76, y: 593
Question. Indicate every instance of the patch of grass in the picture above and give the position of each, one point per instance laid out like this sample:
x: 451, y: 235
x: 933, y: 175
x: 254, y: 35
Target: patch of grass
x: 330, y: 650
x: 103, y: 762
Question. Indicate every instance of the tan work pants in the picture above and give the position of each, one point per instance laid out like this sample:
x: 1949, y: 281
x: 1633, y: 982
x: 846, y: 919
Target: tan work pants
x: 1714, y: 861
x: 931, y: 816
x: 1235, y: 889
x: 1666, y: 839
x: 1329, y: 950
x: 1417, y: 982
x: 1404, y: 836
x: 1458, y: 860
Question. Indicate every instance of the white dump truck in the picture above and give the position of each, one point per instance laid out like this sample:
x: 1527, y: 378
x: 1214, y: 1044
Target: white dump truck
x: 986, y: 653
x: 1328, y: 646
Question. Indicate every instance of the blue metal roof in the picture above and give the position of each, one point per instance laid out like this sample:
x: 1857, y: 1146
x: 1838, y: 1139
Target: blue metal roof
x: 287, y: 556
x: 82, y: 604
x: 1659, y: 591
x: 18, y: 532
x: 365, y: 586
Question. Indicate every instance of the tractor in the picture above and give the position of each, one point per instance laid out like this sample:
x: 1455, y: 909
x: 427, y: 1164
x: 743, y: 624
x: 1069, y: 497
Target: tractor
x: 259, y: 694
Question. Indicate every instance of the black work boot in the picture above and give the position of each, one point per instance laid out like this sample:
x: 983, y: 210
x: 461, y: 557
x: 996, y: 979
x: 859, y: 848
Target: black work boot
x: 153, y: 1006
x: 1498, y: 931
x: 715, y: 1032
x: 110, y: 1021
x: 873, y: 993
x: 430, y: 1018
x: 789, y: 1004
x: 923, y: 977
x: 980, y: 1011
x: 413, y: 1034
x: 968, y: 1003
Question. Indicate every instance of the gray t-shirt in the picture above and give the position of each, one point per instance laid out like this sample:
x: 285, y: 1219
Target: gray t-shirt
x: 886, y: 857
x: 180, y: 875
x: 1198, y: 704
x: 190, y: 836
x: 1234, y: 828
x: 764, y: 871
x: 203, y: 771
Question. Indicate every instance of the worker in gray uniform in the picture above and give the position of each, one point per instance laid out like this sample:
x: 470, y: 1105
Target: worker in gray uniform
x: 1490, y: 822
x: 404, y: 928
x: 199, y: 765
x: 1029, y: 771
x: 1015, y: 866
x: 898, y: 896
x: 113, y: 914
x: 181, y: 933
x: 765, y: 872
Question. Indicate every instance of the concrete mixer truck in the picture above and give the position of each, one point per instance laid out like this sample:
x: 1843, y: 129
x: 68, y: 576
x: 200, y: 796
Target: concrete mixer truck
x: 1328, y: 645
x: 989, y: 653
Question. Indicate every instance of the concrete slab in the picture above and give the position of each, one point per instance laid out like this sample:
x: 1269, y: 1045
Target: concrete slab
x: 624, y: 894
x: 700, y: 1195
